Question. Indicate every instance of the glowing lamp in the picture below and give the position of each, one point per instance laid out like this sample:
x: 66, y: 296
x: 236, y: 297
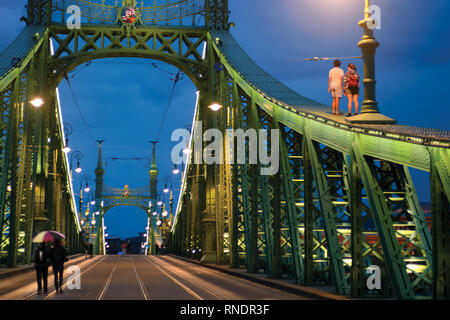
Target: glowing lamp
x: 37, y: 102
x: 215, y: 107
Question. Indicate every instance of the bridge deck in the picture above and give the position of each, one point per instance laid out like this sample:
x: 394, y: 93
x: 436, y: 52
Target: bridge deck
x: 286, y: 97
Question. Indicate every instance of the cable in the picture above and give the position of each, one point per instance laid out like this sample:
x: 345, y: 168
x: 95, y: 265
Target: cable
x: 306, y: 59
x: 175, y: 81
x: 81, y: 114
x: 140, y: 160
x: 80, y: 69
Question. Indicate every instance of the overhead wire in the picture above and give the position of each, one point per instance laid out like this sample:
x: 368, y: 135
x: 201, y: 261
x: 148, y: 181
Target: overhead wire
x: 177, y: 78
x: 172, y: 76
x: 81, y: 113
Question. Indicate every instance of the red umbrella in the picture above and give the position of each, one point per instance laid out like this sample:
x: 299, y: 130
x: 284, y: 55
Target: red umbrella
x: 47, y: 236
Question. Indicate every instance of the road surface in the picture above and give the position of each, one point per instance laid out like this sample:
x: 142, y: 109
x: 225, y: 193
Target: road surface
x: 137, y: 277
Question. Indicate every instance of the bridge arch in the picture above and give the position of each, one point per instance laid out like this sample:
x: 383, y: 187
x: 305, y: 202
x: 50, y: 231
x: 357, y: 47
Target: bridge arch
x: 181, y: 48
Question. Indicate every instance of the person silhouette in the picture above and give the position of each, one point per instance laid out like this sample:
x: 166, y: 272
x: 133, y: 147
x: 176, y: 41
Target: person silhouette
x: 58, y: 255
x: 41, y: 262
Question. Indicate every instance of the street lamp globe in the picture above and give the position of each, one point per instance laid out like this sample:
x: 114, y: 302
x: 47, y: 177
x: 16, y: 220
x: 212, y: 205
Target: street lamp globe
x: 158, y: 223
x: 215, y: 107
x: 37, y: 102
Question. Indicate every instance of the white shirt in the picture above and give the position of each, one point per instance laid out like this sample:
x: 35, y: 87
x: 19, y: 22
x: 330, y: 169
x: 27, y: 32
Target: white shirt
x: 336, y: 75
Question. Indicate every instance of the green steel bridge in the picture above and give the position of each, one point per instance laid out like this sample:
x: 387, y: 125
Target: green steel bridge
x: 342, y: 201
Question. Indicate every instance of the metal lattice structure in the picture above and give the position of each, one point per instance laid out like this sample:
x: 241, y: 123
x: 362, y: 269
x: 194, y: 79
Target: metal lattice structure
x: 342, y: 200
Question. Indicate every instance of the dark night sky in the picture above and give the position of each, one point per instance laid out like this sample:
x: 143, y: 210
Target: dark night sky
x: 123, y: 100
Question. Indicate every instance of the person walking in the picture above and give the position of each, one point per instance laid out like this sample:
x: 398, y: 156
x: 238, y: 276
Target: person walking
x: 58, y: 255
x: 41, y: 261
x: 156, y: 249
x: 335, y: 81
x: 351, y: 88
x: 91, y: 250
x: 86, y: 249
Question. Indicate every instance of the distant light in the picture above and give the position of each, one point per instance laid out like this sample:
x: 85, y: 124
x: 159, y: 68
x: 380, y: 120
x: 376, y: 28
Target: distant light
x: 165, y: 213
x: 93, y: 202
x: 87, y: 189
x: 106, y: 235
x: 49, y: 140
x: 215, y: 107
x: 147, y: 228
x: 104, y: 228
x: 93, y: 222
x: 155, y: 213
x: 187, y: 151
x: 158, y: 223
x: 159, y: 203
x: 144, y: 235
x: 97, y: 213
x: 9, y: 188
x: 78, y: 170
x: 66, y: 149
x: 166, y: 190
x: 37, y: 102
x: 176, y: 171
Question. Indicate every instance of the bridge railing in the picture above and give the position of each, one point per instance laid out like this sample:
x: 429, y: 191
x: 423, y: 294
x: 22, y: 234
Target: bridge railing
x: 162, y: 12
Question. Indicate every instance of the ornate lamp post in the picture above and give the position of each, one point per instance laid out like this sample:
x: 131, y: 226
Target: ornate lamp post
x: 67, y: 131
x: 78, y: 156
x: 368, y: 44
x: 85, y: 178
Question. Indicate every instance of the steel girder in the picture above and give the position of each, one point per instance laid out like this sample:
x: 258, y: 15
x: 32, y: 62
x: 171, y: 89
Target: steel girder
x: 440, y: 199
x: 176, y: 46
x: 34, y: 175
x: 287, y: 228
x: 401, y: 225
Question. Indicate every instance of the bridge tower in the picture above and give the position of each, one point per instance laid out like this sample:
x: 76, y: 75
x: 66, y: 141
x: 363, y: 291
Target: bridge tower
x: 37, y: 12
x: 153, y: 196
x: 99, y: 173
x: 217, y: 14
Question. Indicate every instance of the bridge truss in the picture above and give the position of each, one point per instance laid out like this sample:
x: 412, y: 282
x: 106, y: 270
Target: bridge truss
x: 342, y: 201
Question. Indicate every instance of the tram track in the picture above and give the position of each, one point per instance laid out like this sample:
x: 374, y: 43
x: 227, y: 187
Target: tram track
x: 167, y: 269
x: 104, y: 289
x: 140, y: 282
x: 64, y: 286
